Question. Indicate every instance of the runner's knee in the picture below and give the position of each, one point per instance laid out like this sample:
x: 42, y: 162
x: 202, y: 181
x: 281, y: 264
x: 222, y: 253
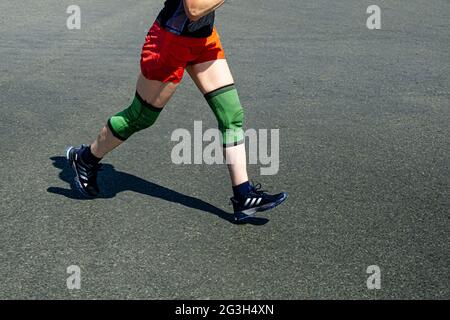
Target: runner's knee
x: 138, y: 116
x: 229, y: 113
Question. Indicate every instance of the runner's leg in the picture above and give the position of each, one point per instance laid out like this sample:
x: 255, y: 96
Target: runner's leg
x: 210, y: 76
x: 154, y: 92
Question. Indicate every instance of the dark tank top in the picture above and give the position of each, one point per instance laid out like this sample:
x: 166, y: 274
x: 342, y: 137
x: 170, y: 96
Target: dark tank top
x: 174, y: 19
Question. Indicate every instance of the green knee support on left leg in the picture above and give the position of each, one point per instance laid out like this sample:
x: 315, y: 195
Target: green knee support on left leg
x: 227, y: 108
x: 138, y: 116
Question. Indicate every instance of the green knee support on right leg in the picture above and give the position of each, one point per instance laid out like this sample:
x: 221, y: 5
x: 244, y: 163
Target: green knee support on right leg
x: 227, y: 108
x: 138, y: 116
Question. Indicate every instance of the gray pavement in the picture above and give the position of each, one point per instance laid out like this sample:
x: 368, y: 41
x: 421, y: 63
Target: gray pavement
x: 364, y: 124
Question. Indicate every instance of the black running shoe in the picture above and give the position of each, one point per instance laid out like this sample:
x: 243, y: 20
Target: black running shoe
x: 85, y: 174
x: 255, y: 201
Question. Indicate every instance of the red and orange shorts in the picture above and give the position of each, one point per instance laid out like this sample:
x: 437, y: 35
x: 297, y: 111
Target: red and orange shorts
x: 165, y: 55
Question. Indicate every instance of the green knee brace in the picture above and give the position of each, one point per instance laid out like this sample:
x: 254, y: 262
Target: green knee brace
x: 227, y: 108
x: 138, y: 116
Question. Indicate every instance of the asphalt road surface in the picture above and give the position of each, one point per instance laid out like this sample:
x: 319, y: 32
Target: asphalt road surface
x: 364, y: 154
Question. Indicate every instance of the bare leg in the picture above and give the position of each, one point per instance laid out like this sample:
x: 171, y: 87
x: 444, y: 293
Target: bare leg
x: 209, y: 76
x: 237, y: 166
x: 104, y: 143
x: 154, y: 92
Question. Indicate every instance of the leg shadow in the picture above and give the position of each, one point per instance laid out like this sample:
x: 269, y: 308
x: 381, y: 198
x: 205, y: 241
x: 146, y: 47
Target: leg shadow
x: 122, y: 181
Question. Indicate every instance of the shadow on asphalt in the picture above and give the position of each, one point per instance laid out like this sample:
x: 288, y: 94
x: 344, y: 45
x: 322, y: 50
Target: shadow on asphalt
x: 122, y: 181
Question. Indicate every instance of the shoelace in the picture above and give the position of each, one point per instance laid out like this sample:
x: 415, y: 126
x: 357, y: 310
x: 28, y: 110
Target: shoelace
x: 257, y: 189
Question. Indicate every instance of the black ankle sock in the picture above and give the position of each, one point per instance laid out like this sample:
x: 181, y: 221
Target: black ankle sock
x: 240, y: 191
x: 87, y: 156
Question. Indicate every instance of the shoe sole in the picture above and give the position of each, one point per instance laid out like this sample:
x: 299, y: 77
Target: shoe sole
x: 76, y: 180
x: 249, y: 213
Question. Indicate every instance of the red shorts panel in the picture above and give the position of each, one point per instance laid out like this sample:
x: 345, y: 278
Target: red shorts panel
x: 165, y: 55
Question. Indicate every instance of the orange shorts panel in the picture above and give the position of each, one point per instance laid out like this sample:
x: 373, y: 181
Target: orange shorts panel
x: 165, y: 55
